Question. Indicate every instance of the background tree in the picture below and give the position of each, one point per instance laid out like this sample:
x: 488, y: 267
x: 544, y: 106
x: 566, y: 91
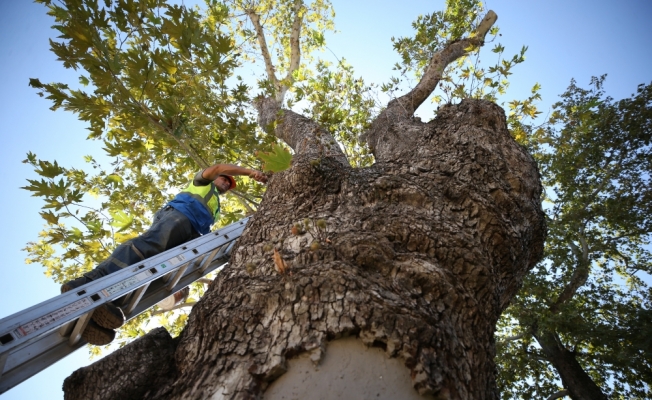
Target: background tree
x: 583, y: 315
x: 418, y: 253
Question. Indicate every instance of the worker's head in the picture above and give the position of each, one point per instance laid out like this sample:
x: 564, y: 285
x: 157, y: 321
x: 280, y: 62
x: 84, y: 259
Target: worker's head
x: 224, y: 183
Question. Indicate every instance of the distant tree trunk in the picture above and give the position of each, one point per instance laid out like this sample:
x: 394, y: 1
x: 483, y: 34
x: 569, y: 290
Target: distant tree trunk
x: 421, y: 254
x: 578, y: 383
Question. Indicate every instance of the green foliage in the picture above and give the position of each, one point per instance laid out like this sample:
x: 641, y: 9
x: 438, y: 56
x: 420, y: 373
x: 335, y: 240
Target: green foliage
x: 277, y: 160
x: 341, y: 103
x: 466, y: 78
x: 121, y: 220
x: 157, y: 97
x: 277, y: 18
x: 594, y: 155
x: 153, y: 88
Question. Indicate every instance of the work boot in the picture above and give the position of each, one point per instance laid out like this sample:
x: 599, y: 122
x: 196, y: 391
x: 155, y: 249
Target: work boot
x: 108, y: 315
x: 75, y: 283
x: 95, y: 334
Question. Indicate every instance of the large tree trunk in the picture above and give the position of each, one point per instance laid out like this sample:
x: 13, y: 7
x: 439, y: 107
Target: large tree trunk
x: 421, y: 254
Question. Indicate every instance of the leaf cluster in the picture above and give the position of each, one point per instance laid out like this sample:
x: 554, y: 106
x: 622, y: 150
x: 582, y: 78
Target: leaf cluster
x: 465, y: 78
x: 277, y: 17
x: 156, y: 86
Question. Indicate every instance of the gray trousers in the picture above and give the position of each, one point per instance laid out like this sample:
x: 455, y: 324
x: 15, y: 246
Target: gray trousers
x: 169, y: 229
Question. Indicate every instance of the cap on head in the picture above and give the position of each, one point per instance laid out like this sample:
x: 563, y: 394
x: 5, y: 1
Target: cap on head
x: 230, y: 178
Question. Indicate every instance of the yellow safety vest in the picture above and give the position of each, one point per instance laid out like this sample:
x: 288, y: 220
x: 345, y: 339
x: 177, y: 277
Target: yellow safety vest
x: 207, y: 195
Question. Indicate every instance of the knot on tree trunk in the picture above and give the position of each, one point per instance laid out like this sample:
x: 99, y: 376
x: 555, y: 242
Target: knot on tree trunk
x: 268, y: 111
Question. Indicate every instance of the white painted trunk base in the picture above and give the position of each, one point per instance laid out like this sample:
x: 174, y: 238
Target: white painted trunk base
x: 348, y: 370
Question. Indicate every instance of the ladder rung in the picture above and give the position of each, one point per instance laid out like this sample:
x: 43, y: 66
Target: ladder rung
x: 208, y: 259
x: 175, y: 279
x: 75, y: 336
x: 135, y: 298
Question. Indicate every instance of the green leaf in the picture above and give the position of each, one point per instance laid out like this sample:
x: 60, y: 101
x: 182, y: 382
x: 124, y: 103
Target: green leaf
x: 279, y: 159
x: 121, y: 220
x: 35, y: 83
x: 49, y: 217
x: 114, y: 178
x: 48, y: 169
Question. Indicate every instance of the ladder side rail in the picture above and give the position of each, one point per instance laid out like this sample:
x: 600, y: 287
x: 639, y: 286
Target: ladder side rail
x: 17, y: 369
x: 53, y: 354
x: 29, y: 324
x: 23, y: 326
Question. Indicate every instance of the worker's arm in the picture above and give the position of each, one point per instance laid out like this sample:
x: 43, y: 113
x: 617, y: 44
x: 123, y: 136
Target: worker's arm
x: 216, y: 170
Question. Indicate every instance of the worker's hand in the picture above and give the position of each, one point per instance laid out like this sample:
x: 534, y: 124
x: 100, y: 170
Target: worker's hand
x: 258, y: 176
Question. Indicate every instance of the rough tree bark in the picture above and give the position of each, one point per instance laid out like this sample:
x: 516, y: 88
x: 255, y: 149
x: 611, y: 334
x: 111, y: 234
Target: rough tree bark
x: 421, y: 253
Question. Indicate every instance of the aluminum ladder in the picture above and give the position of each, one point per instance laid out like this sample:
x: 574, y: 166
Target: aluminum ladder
x: 37, y: 337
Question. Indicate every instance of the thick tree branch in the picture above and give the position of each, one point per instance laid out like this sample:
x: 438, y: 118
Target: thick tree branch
x: 280, y: 87
x: 438, y: 63
x: 302, y: 134
x: 580, y: 275
x: 579, y: 384
x: 403, y: 108
x: 295, y: 49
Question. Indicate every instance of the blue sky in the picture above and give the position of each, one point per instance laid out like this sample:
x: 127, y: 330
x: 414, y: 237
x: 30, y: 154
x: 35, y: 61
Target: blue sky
x: 566, y: 39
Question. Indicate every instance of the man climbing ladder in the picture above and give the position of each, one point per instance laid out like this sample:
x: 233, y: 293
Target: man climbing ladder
x: 189, y: 215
